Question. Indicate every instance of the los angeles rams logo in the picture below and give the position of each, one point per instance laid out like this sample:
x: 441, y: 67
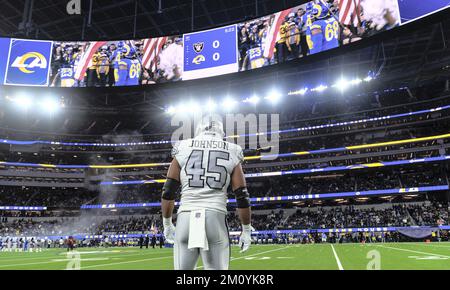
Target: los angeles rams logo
x: 198, y: 59
x: 27, y: 62
x: 198, y: 47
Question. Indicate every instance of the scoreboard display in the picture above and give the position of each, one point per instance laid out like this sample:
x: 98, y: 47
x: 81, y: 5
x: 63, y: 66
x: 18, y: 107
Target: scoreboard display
x: 211, y: 52
x: 252, y: 44
x: 4, y: 51
x: 414, y: 9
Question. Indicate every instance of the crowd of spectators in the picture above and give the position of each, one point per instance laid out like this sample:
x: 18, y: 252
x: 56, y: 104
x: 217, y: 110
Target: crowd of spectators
x: 350, y: 217
x: 73, y: 198
x: 383, y: 215
x: 302, y: 116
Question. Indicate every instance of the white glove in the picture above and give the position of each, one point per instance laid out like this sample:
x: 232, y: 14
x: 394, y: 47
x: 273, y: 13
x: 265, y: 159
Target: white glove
x: 169, y: 230
x: 246, y: 239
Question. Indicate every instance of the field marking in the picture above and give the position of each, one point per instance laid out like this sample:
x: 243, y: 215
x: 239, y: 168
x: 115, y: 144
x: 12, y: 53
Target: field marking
x: 412, y: 251
x: 337, y: 258
x: 433, y: 258
x: 26, y: 264
x: 256, y: 254
x: 87, y: 259
x: 50, y: 255
x: 437, y: 245
x: 60, y: 261
x: 125, y: 262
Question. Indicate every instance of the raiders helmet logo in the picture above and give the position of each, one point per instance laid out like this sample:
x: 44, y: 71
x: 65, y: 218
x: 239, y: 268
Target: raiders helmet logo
x: 198, y: 47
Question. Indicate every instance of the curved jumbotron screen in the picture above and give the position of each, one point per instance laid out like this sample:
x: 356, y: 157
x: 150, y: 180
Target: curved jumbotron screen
x: 297, y: 32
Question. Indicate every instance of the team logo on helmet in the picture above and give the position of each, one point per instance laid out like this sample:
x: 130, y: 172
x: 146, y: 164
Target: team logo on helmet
x: 320, y: 11
x: 198, y: 47
x: 211, y: 127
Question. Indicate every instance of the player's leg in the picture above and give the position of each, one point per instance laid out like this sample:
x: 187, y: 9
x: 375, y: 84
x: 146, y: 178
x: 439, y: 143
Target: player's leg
x: 218, y: 255
x: 184, y: 259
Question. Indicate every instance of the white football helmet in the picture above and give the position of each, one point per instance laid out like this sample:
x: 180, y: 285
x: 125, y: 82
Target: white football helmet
x: 210, y: 127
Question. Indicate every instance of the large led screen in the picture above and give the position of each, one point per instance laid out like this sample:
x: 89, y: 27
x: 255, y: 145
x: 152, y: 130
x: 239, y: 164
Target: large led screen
x: 297, y: 32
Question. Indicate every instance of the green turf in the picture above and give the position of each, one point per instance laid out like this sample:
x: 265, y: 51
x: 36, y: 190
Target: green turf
x: 263, y: 257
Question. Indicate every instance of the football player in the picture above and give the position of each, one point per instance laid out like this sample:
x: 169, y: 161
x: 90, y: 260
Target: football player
x: 324, y: 30
x: 204, y: 167
x: 305, y: 24
x: 127, y: 67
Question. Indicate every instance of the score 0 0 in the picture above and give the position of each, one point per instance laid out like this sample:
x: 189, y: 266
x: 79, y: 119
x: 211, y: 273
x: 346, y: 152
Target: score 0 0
x: 216, y: 55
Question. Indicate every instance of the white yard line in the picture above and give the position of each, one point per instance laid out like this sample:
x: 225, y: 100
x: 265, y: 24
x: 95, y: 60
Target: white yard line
x: 435, y: 244
x: 412, y: 251
x: 125, y: 262
x: 92, y: 266
x: 50, y: 255
x: 26, y: 264
x: 256, y: 254
x: 337, y: 258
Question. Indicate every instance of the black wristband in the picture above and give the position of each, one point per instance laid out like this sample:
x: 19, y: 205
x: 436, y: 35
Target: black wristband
x: 170, y: 189
x: 242, y: 197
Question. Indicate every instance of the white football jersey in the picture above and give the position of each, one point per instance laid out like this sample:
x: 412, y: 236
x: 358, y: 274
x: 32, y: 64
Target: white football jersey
x: 206, y: 163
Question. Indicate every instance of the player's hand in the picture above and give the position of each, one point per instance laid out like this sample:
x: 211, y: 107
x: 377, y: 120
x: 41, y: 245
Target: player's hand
x: 246, y: 239
x: 169, y: 233
x: 169, y: 230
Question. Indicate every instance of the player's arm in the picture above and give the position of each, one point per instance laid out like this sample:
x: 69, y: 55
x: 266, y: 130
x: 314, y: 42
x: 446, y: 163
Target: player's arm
x: 239, y: 187
x: 169, y: 191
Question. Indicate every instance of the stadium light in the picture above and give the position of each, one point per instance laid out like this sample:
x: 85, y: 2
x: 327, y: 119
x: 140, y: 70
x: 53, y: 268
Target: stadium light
x: 23, y: 102
x: 341, y: 84
x: 273, y: 97
x: 170, y: 110
x: 210, y: 106
x: 192, y: 107
x: 49, y: 105
x: 320, y: 88
x: 355, y: 82
x: 228, y: 104
x: 253, y: 100
x: 303, y: 91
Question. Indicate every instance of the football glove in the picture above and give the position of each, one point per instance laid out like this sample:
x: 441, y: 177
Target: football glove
x: 169, y: 230
x: 246, y: 239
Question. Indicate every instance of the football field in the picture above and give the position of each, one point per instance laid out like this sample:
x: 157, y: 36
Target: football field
x: 259, y: 257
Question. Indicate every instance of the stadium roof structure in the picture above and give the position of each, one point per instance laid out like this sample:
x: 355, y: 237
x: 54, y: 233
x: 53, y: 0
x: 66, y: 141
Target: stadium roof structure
x: 48, y: 19
x: 409, y: 56
x: 404, y: 57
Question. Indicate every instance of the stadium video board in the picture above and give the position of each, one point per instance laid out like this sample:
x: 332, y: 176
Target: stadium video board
x: 293, y: 33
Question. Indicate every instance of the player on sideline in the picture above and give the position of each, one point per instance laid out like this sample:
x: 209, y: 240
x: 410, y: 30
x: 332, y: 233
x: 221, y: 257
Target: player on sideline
x: 38, y: 245
x: 8, y: 244
x: 204, y: 167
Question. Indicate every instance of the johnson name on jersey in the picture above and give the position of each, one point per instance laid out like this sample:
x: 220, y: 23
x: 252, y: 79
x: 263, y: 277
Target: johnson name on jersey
x: 207, y: 163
